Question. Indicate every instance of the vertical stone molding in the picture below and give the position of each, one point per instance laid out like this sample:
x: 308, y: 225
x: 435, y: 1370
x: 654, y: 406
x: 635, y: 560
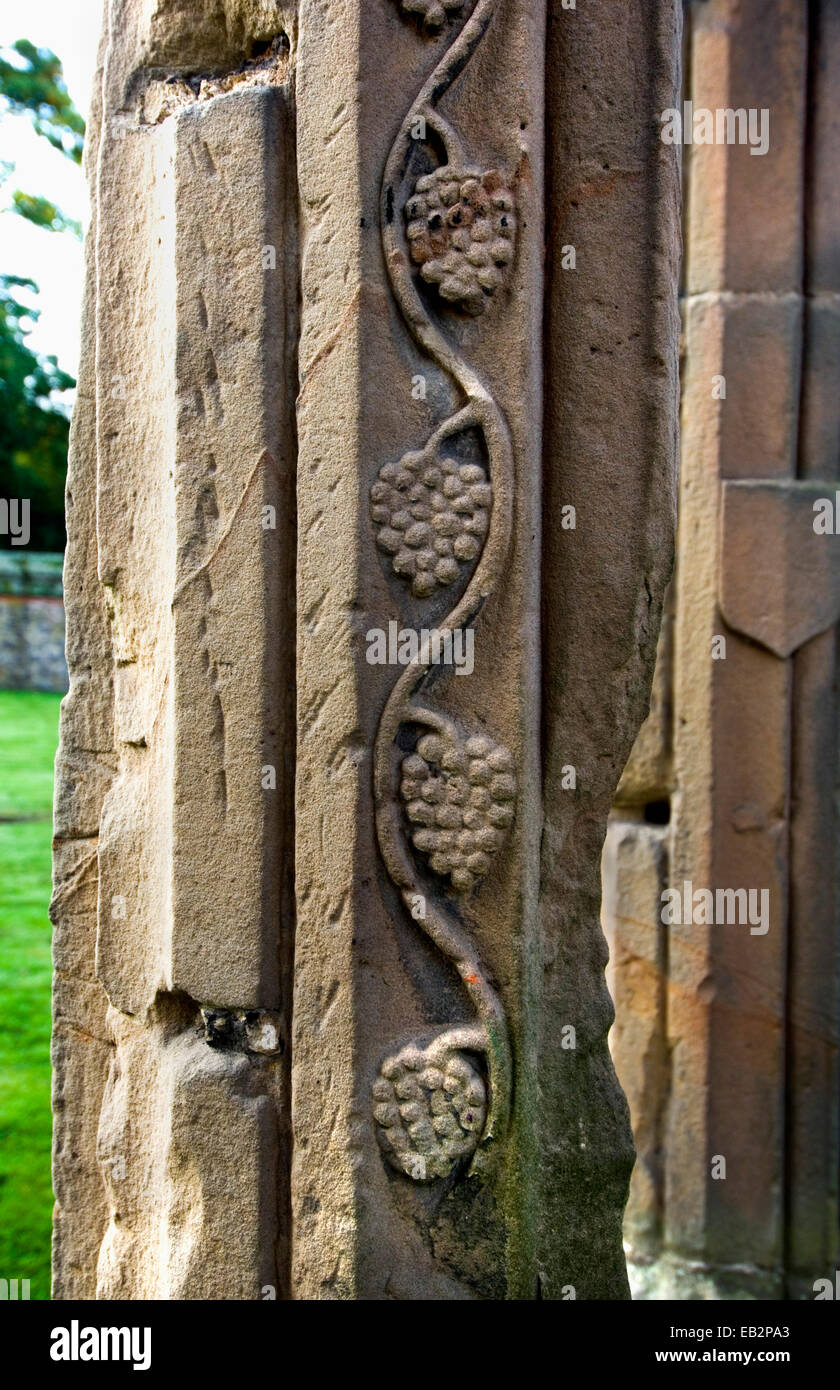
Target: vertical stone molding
x: 738, y: 1028
x: 611, y: 407
x: 383, y: 529
x: 173, y: 900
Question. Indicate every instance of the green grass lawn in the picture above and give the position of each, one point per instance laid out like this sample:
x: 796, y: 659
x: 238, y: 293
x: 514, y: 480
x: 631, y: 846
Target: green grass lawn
x: 28, y: 738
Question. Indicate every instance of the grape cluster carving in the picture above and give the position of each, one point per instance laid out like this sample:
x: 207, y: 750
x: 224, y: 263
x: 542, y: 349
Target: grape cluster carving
x: 435, y: 1104
x: 461, y: 229
x: 459, y: 799
x: 429, y: 1105
x: 432, y: 518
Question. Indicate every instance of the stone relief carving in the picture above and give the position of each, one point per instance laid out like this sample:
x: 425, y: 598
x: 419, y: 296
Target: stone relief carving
x: 432, y: 516
x: 461, y: 226
x: 431, y: 15
x: 429, y: 1106
x: 459, y: 796
x: 439, y: 1103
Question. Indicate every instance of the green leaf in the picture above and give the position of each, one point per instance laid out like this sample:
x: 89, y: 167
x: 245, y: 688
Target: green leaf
x: 32, y: 83
x: 44, y: 213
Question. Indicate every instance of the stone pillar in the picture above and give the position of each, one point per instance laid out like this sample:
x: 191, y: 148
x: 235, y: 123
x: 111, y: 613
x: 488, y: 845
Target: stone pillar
x: 352, y: 683
x: 739, y: 1026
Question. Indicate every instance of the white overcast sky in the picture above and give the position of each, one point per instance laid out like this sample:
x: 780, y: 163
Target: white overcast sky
x: 52, y: 259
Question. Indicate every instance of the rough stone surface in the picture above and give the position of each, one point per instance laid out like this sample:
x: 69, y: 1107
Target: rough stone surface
x: 726, y: 1041
x: 381, y: 1073
x: 31, y: 621
x: 173, y: 876
x: 634, y: 874
x: 610, y: 187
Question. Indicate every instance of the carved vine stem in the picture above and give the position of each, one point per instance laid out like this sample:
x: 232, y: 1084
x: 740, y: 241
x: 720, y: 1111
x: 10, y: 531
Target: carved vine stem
x: 480, y: 412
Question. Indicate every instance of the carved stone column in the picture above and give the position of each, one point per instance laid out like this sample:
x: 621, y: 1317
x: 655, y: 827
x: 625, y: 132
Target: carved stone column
x: 385, y: 1076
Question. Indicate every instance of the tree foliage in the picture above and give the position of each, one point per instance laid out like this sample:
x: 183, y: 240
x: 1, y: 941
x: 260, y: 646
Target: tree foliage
x: 34, y: 86
x: 33, y: 432
x: 44, y: 213
x: 33, y: 428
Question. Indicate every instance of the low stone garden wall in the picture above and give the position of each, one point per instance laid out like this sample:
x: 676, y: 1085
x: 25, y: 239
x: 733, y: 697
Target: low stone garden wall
x: 31, y: 622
